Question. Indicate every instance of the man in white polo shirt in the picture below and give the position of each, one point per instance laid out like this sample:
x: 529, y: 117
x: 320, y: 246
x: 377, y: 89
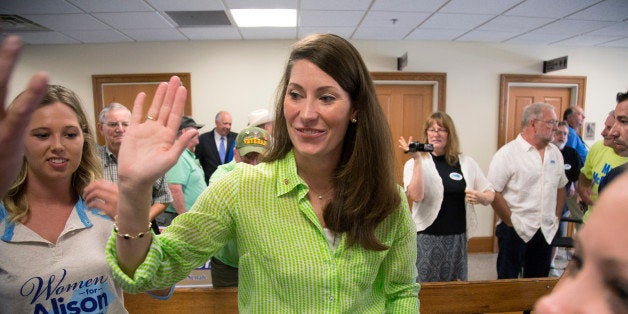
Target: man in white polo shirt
x: 528, y: 175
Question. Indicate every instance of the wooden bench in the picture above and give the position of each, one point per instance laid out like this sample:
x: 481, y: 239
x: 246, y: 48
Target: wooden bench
x: 493, y: 296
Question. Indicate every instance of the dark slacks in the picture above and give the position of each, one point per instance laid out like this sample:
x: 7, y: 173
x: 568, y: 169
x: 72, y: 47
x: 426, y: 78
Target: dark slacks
x: 517, y: 258
x: 223, y: 275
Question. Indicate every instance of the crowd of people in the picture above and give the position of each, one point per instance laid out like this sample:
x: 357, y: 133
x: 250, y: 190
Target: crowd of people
x: 280, y: 207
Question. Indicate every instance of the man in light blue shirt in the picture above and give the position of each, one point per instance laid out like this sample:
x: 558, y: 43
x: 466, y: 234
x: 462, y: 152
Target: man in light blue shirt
x: 575, y: 117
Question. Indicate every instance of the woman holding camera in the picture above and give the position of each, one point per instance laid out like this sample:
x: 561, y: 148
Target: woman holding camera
x: 444, y: 186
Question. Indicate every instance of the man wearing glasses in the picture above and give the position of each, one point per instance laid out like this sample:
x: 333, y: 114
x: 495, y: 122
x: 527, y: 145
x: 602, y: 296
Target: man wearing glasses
x: 528, y: 175
x: 113, y: 121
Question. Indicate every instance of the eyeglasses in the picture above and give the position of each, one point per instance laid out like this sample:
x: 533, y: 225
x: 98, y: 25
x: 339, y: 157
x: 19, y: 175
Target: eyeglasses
x: 549, y: 122
x: 123, y: 124
x: 439, y: 131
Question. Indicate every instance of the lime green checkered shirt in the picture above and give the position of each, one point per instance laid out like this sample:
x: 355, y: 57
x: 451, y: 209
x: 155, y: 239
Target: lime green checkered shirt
x: 286, y: 262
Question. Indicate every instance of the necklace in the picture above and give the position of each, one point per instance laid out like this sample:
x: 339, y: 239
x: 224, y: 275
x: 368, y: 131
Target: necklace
x: 321, y: 195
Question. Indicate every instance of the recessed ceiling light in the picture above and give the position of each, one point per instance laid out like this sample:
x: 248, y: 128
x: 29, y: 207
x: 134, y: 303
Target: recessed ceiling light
x: 265, y: 17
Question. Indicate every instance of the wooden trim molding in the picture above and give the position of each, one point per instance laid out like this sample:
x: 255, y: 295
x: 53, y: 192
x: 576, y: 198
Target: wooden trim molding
x: 506, y: 295
x: 109, y: 79
x: 440, y: 78
x: 480, y: 245
x: 535, y: 80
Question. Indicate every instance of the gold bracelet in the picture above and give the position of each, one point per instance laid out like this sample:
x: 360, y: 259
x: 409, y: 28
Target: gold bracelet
x: 127, y: 236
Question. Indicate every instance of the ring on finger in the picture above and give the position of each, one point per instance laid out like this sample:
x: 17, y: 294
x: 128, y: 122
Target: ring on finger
x: 149, y: 117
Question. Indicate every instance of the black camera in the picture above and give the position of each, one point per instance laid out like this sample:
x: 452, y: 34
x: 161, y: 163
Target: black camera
x: 419, y: 147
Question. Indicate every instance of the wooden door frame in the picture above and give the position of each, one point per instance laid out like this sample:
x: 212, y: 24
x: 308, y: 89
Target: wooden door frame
x: 99, y: 80
x: 438, y: 80
x: 579, y: 83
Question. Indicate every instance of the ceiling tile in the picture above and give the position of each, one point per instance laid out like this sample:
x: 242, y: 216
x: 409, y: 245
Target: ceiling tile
x: 132, y: 20
x: 335, y: 4
x: 478, y: 6
x: 344, y: 32
x: 110, y: 6
x: 609, y: 10
x: 64, y: 22
x: 380, y: 33
x: 210, y: 33
x: 515, y: 23
x: 435, y: 34
x: 261, y: 4
x: 394, y: 19
x: 536, y: 39
x: 165, y: 34
x: 570, y: 28
x: 37, y: 7
x: 462, y: 21
x: 620, y: 43
x: 46, y: 38
x: 330, y: 18
x: 486, y: 36
x: 549, y: 8
x: 585, y: 40
x: 407, y: 5
x: 99, y: 36
x: 619, y: 29
x: 187, y: 5
x: 269, y: 33
x: 547, y: 21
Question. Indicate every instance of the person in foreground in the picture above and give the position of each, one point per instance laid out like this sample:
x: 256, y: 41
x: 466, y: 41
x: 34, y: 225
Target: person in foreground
x: 309, y: 239
x: 51, y: 253
x: 444, y: 186
x: 596, y: 281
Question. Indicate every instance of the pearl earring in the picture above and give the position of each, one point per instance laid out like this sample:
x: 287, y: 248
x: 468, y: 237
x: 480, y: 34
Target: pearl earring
x: 354, y: 120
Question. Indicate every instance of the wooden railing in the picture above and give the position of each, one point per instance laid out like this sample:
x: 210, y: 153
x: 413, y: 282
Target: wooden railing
x: 493, y: 296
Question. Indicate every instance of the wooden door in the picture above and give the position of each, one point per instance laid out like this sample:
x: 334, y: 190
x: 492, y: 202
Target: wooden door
x: 123, y: 88
x: 406, y: 107
x: 519, y: 97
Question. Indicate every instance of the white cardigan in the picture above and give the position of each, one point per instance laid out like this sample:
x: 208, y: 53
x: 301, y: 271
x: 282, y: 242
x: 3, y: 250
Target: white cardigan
x: 425, y: 212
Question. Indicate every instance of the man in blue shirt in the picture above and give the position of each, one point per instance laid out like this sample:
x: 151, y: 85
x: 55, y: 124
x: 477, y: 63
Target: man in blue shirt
x: 575, y: 117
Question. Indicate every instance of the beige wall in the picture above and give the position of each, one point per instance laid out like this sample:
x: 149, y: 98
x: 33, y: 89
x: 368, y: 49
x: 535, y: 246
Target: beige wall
x: 241, y: 76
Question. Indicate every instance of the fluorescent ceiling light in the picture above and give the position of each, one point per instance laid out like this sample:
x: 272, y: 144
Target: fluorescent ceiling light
x: 265, y: 17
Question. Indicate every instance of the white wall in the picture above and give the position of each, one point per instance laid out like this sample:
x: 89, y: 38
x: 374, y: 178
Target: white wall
x: 242, y: 76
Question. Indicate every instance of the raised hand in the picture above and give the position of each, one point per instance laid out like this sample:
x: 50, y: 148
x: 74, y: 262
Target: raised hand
x: 149, y: 149
x: 150, y: 145
x: 13, y: 120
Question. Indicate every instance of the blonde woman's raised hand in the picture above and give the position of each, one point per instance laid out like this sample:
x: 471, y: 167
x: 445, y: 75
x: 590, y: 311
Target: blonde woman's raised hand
x: 15, y: 118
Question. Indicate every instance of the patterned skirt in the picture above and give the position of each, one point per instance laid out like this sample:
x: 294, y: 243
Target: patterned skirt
x: 441, y: 257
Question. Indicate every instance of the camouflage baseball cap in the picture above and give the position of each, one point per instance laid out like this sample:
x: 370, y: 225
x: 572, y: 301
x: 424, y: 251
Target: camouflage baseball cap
x: 252, y: 139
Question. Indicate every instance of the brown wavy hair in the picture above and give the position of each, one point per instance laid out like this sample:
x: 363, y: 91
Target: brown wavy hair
x: 366, y: 166
x: 89, y: 168
x: 452, y: 148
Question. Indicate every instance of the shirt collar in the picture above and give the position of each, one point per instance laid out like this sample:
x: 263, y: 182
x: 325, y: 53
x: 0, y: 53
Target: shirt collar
x: 16, y: 232
x: 288, y: 179
x: 525, y: 145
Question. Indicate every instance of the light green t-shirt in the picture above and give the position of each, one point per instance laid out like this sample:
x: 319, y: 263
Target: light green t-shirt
x: 286, y: 262
x: 187, y: 173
